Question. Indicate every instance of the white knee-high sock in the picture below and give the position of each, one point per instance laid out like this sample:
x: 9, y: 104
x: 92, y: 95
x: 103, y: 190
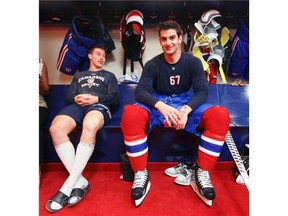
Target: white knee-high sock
x: 83, y: 154
x: 66, y: 153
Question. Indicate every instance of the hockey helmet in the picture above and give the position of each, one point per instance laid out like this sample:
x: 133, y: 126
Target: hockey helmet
x: 208, y: 16
x: 135, y: 16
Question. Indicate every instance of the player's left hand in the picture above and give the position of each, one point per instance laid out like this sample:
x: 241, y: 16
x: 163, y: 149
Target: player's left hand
x: 181, y: 120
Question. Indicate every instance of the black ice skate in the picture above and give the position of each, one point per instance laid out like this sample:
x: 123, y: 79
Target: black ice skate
x: 202, y: 185
x: 140, y: 186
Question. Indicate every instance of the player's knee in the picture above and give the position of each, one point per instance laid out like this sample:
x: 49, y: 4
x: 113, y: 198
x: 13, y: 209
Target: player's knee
x: 54, y: 129
x: 92, y: 127
x: 217, y: 120
x: 134, y: 120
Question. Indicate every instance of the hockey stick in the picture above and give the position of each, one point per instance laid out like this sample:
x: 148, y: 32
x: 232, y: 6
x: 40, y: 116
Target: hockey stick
x: 237, y: 158
x: 222, y: 74
x: 224, y: 38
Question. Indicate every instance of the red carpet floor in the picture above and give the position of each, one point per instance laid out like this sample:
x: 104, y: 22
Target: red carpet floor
x: 110, y: 196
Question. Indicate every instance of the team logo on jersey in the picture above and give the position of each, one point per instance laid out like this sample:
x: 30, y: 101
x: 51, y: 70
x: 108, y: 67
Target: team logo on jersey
x: 90, y: 82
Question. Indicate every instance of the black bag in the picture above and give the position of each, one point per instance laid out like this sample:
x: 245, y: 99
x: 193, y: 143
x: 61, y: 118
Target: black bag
x: 127, y: 171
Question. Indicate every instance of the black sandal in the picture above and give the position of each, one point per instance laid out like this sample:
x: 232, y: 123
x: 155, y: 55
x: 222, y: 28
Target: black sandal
x: 59, y: 198
x: 79, y: 194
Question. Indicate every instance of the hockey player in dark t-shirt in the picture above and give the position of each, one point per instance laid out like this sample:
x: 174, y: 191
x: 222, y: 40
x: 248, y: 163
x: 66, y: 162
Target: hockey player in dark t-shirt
x: 172, y: 92
x: 91, y: 97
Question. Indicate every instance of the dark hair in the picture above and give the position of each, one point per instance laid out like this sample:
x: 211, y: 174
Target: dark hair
x: 99, y: 46
x: 169, y: 24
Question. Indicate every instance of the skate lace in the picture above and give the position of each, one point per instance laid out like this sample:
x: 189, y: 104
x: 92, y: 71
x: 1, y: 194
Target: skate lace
x: 204, y: 178
x: 140, y: 179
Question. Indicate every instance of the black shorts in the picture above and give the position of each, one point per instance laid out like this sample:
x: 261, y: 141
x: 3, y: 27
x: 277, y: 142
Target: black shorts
x: 78, y: 113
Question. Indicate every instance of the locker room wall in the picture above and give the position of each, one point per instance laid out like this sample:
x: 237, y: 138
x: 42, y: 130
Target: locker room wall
x: 52, y: 33
x: 51, y: 39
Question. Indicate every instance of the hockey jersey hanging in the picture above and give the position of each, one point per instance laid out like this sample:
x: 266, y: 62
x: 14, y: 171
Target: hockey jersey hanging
x: 209, y: 42
x: 83, y: 34
x: 239, y: 62
x: 132, y: 37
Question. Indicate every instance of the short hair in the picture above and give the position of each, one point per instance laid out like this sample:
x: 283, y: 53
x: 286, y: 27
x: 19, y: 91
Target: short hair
x: 99, y: 46
x: 169, y: 24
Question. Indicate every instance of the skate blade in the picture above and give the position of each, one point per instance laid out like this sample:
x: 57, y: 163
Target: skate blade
x: 139, y: 201
x: 196, y: 190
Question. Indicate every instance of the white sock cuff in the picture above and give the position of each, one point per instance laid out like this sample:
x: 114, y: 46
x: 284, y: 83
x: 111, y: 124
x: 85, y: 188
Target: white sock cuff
x: 62, y: 145
x: 86, y: 144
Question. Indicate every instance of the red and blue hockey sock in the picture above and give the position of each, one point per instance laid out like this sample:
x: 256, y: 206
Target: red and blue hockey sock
x: 134, y: 123
x: 215, y: 122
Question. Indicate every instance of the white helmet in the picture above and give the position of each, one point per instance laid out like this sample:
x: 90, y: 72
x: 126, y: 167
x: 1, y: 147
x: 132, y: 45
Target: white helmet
x: 208, y: 16
x: 135, y: 16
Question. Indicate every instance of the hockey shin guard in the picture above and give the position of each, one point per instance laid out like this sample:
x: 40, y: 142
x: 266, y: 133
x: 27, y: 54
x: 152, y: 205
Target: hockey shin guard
x: 215, y: 122
x: 134, y: 123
